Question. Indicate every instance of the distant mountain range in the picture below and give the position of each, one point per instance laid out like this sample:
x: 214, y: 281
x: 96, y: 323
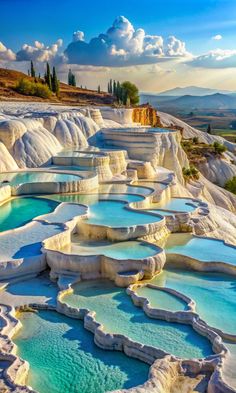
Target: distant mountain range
x: 191, y: 102
x: 191, y: 90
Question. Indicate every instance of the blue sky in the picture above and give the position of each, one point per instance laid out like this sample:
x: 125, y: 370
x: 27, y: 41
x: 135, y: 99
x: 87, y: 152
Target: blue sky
x: 193, y: 23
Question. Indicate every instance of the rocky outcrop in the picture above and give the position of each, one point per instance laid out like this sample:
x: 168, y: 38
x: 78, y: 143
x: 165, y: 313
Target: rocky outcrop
x: 146, y: 116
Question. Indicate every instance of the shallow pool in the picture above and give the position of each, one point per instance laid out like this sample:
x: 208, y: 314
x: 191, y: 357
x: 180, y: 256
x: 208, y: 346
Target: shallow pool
x: 214, y: 294
x: 19, y: 211
x: 161, y: 299
x: 124, y: 188
x: 14, y: 179
x: 121, y: 250
x: 115, y: 214
x: 110, y: 212
x: 178, y: 204
x: 91, y: 199
x: 78, y: 168
x: 203, y: 249
x: 116, y: 311
x: 64, y: 359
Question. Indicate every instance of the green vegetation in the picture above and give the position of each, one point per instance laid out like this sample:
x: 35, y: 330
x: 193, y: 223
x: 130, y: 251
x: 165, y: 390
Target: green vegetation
x: 219, y: 148
x: 71, y: 78
x: 32, y: 70
x: 28, y: 88
x: 55, y: 82
x: 40, y: 87
x: 230, y: 185
x: 209, y: 130
x: 126, y: 93
x: 190, y: 173
x: 48, y: 77
x: 198, y: 152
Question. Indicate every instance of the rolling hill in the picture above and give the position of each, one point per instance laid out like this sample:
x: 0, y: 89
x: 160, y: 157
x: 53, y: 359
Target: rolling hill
x: 189, y: 102
x: 68, y: 94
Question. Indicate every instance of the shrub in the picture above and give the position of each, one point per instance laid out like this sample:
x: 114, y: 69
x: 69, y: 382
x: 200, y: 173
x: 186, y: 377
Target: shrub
x: 230, y: 185
x: 190, y: 173
x: 195, y: 140
x: 219, y: 148
x: 28, y: 88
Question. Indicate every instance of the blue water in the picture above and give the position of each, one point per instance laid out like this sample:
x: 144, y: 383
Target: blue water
x: 161, y: 299
x: 19, y: 211
x: 178, y: 204
x: 214, y: 293
x: 15, y: 179
x: 71, y: 168
x: 116, y: 311
x: 114, y: 214
x: 124, y: 188
x: 110, y: 213
x: 121, y: 250
x: 64, y: 359
x: 203, y: 249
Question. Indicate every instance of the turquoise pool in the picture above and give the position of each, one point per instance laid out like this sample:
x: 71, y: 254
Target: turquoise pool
x: 114, y: 214
x: 121, y: 250
x: 203, y: 249
x: 178, y: 205
x: 214, y: 294
x: 64, y: 359
x: 16, y: 178
x: 19, y: 211
x: 162, y: 299
x: 71, y: 168
x: 116, y: 311
x: 124, y: 188
x: 111, y: 212
x: 91, y: 199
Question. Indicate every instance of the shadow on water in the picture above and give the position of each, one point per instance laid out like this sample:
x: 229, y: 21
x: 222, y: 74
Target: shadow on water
x: 90, y: 369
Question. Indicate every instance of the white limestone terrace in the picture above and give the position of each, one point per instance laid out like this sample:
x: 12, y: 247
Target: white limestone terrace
x: 170, y: 366
x: 39, y: 180
x: 21, y: 248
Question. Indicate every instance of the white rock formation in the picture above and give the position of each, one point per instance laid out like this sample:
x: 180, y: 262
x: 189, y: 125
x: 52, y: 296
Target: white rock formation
x: 7, y: 163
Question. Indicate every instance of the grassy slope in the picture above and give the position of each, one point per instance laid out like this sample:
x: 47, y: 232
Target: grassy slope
x: 68, y: 94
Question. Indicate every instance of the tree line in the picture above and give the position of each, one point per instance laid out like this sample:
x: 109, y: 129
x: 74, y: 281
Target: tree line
x: 50, y: 78
x: 126, y: 93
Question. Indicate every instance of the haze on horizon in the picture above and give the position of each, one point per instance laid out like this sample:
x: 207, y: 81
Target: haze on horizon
x: 157, y: 45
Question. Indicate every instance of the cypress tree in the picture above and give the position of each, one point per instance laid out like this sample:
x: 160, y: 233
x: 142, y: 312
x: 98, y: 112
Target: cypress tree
x: 32, y: 70
x: 209, y: 129
x: 55, y: 82
x: 114, y: 88
x: 111, y: 86
x: 99, y: 89
x: 48, y: 77
x: 69, y: 77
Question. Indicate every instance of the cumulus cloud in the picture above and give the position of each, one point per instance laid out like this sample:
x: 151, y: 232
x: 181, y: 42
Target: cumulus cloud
x: 39, y: 52
x: 218, y: 58
x: 6, y: 54
x: 122, y: 45
x: 78, y: 36
x: 217, y: 37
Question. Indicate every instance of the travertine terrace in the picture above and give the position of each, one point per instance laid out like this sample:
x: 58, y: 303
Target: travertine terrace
x: 91, y: 196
